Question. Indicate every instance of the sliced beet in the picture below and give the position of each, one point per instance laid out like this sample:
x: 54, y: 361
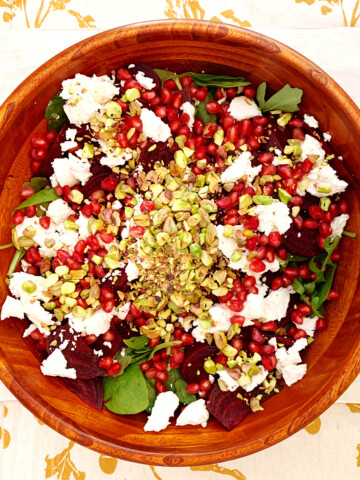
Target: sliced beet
x: 90, y: 391
x: 278, y: 136
x: 228, y: 410
x: 46, y: 168
x: 119, y: 284
x: 192, y: 367
x: 125, y: 331
x: 301, y: 242
x: 162, y: 154
x: 115, y: 344
x: 99, y: 173
x: 186, y: 93
x: 149, y: 72
x: 77, y: 352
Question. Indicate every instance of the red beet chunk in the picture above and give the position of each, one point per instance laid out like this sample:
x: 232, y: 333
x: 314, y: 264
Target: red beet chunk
x: 99, y: 173
x: 91, y: 391
x: 120, y: 284
x: 304, y: 244
x: 193, y: 363
x: 162, y: 154
x: 228, y: 410
x: 115, y: 344
x: 77, y: 353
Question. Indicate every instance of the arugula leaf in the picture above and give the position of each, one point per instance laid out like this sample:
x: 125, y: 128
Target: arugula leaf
x: 201, y: 112
x: 178, y: 385
x: 163, y: 345
x: 46, y: 195
x: 298, y: 286
x: 326, y: 285
x: 164, y: 74
x: 296, y: 258
x: 349, y: 234
x: 222, y: 81
x: 18, y: 255
x: 286, y: 99
x: 55, y: 112
x: 137, y: 343
x: 126, y: 394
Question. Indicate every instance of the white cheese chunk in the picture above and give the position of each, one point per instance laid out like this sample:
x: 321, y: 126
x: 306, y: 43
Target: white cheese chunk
x: 273, y: 218
x: 311, y: 121
x: 18, y: 279
x: 241, y: 166
x: 70, y: 134
x: 86, y: 96
x: 195, y: 413
x: 165, y: 405
x: 122, y: 311
x: 146, y: 82
x: 311, y: 146
x: 189, y: 108
x: 288, y: 362
x: 308, y: 325
x: 325, y: 179
x: 338, y: 225
x: 12, y: 308
x: 59, y: 211
x: 97, y: 324
x: 276, y: 304
x: 132, y: 271
x: 326, y: 136
x: 79, y: 168
x: 230, y: 383
x: 38, y: 315
x: 243, y: 107
x: 62, y: 174
x: 154, y: 127
x: 256, y: 379
x: 114, y: 156
x: 55, y: 365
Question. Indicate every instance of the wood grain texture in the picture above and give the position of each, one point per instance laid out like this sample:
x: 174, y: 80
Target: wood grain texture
x: 334, y: 358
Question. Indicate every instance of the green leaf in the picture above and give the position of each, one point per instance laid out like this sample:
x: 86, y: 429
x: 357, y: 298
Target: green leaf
x: 39, y: 183
x: 178, y: 385
x: 349, y: 234
x: 18, y: 255
x: 46, y: 195
x: 55, y: 112
x: 260, y: 94
x: 164, y: 74
x: 150, y: 383
x: 309, y: 287
x: 137, y: 343
x: 163, y: 345
x: 296, y: 258
x: 128, y: 393
x: 4, y: 247
x: 124, y: 360
x: 201, y: 112
x: 222, y: 81
x: 326, y: 286
x: 286, y: 99
x: 298, y: 286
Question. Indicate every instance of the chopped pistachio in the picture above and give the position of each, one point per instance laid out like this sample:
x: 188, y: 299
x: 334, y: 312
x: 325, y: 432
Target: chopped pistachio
x: 284, y: 196
x: 51, y: 280
x: 284, y: 119
x: 70, y: 225
x: 29, y: 286
x: 62, y: 270
x: 262, y: 199
x: 67, y: 288
x: 325, y: 203
x: 236, y: 256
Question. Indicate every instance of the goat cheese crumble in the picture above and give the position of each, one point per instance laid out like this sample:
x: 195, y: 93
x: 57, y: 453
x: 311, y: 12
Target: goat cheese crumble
x: 154, y: 127
x: 55, y: 365
x: 164, y: 408
x: 241, y: 166
x: 243, y: 107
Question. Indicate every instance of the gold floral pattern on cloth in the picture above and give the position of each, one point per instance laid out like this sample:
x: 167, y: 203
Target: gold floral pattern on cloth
x: 107, y: 464
x: 314, y: 426
x: 327, y: 6
x: 235, y: 473
x: 46, y: 8
x: 4, y: 434
x: 354, y: 407
x: 62, y: 466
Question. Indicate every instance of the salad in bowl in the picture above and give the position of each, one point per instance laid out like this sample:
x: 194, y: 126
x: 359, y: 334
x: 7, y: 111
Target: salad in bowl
x: 177, y: 243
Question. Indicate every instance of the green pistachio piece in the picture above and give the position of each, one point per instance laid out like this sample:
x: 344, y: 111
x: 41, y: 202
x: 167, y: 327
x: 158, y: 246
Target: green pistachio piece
x: 113, y: 109
x: 62, y: 270
x: 228, y: 231
x: 70, y: 225
x: 88, y: 150
x: 220, y: 340
x: 209, y: 366
x: 255, y: 404
x: 284, y: 119
x: 245, y: 201
x: 70, y: 302
x: 325, y: 203
x: 262, y: 199
x: 78, y: 312
x: 180, y: 159
x: 131, y: 94
x: 210, y: 234
x: 26, y: 242
x: 196, y: 250
x: 219, y: 136
x: 324, y: 189
x: 188, y: 152
x: 29, y: 232
x: 67, y: 288
x: 29, y: 286
x: 284, y: 196
x: 51, y: 280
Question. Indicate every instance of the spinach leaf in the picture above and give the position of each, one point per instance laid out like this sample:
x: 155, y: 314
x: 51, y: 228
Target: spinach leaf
x: 178, y: 385
x: 224, y: 81
x: 150, y: 384
x: 137, y: 343
x: 163, y: 345
x: 126, y: 394
x: 18, y: 255
x: 201, y: 112
x: 286, y: 99
x: 46, y: 195
x: 165, y: 74
x: 124, y: 360
x: 55, y: 112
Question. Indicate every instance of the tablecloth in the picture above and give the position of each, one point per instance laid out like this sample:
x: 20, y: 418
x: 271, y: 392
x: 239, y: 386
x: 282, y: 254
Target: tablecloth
x: 31, y: 31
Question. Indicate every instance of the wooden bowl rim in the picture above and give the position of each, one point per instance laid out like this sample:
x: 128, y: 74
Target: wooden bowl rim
x: 348, y: 371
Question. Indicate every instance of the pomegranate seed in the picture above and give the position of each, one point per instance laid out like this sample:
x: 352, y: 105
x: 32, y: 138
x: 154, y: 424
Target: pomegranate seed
x: 232, y: 133
x: 89, y: 339
x: 175, y: 125
x: 106, y: 362
x: 257, y: 266
x: 335, y: 257
x: 296, y: 122
x: 332, y: 295
x: 186, y: 81
x: 198, y: 126
x: 106, y: 237
x: 324, y: 229
x: 51, y: 135
x: 291, y: 272
x: 321, y: 324
x: 162, y: 376
x: 122, y: 139
x: 343, y: 207
x: 253, y: 143
x: 193, y: 388
x: 201, y: 94
x: 299, y: 222
x: 153, y: 342
x: 123, y: 74
x: 249, y: 92
x: 269, y: 362
x: 166, y: 95
x: 286, y: 281
x: 170, y: 84
x: 150, y: 372
x: 109, y: 336
x: 18, y: 217
x: 39, y: 141
x: 177, y: 100
x: 160, y: 365
x: 109, y: 305
x: 304, y: 271
x: 254, y: 347
x: 27, y: 192
x: 114, y: 369
x: 276, y: 283
x: 296, y: 201
x: 257, y: 336
x: 109, y: 183
x: 297, y: 317
x: 32, y: 270
x: 236, y: 305
x: 315, y: 212
x: 132, y: 84
x: 36, y: 335
x: 304, y: 309
x: 145, y: 366
x: 266, y: 157
x: 178, y: 355
x: 269, y: 326
x: 252, y: 224
x: 187, y: 339
x: 92, y: 242
x: 45, y: 222
x: 298, y: 134
x: 160, y: 386
x: 212, y: 107
x: 267, y: 349
x: 30, y: 211
x: 41, y: 345
x: 274, y: 239
x: 310, y: 223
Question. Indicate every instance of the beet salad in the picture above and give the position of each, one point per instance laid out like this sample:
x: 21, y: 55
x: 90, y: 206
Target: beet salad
x: 177, y: 242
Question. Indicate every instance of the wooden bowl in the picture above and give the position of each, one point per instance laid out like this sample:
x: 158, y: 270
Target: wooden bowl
x: 334, y: 358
